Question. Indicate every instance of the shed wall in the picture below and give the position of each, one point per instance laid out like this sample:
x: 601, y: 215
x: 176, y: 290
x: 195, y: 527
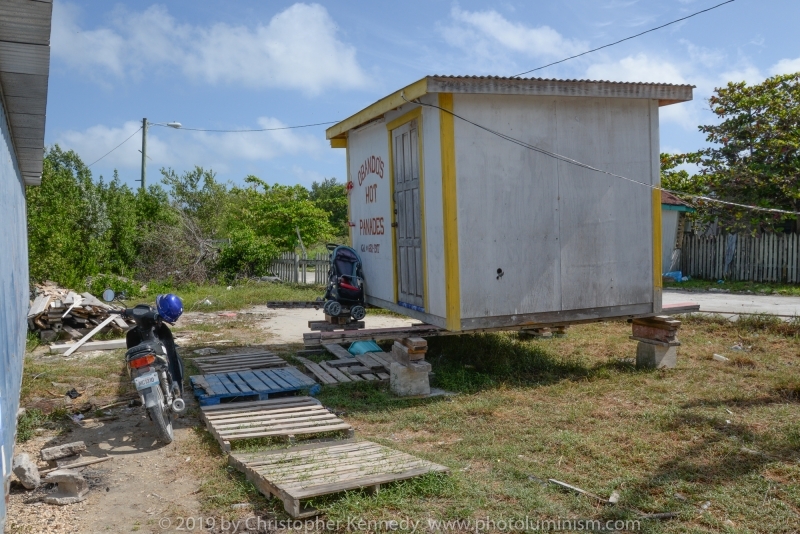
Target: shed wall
x: 13, y: 296
x: 370, y: 207
x: 565, y: 238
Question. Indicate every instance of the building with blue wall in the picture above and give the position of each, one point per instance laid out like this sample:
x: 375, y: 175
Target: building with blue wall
x: 24, y: 70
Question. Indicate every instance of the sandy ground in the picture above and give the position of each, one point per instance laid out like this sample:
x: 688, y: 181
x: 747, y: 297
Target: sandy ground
x: 288, y: 326
x: 732, y: 303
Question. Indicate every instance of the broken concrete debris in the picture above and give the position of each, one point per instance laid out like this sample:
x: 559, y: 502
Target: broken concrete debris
x: 26, y: 470
x: 62, y: 451
x: 72, y: 487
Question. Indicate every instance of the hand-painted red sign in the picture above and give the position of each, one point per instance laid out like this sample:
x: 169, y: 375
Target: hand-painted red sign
x: 372, y: 165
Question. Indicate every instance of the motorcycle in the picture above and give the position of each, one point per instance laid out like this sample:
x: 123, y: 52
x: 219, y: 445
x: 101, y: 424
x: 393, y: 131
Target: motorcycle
x: 153, y: 363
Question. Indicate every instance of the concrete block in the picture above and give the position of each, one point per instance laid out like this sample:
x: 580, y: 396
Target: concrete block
x: 410, y: 380
x: 26, y: 471
x: 62, y: 451
x: 65, y: 462
x: 651, y: 356
x: 72, y: 487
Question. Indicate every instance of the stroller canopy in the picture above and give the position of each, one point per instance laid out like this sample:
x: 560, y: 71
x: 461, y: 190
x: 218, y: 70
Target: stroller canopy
x: 345, y: 261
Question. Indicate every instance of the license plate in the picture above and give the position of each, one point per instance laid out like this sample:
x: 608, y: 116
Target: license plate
x: 146, y: 381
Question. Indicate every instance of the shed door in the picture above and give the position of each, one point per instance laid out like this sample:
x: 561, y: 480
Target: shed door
x: 408, y: 214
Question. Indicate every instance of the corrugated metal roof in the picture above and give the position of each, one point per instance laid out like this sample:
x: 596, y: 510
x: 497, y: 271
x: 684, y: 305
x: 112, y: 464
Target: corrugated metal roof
x: 672, y: 200
x: 562, y: 80
x: 664, y: 93
x: 24, y: 72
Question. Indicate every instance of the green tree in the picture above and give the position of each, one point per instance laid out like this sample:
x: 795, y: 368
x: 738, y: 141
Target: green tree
x: 754, y: 157
x: 331, y: 196
x: 277, y: 212
x: 67, y: 221
x: 198, y: 194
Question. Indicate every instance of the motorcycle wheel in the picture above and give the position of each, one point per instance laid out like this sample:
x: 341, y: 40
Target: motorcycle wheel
x: 163, y: 424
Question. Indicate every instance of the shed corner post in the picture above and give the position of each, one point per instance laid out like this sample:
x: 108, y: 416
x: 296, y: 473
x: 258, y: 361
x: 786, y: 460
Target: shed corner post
x: 450, y: 212
x: 657, y: 250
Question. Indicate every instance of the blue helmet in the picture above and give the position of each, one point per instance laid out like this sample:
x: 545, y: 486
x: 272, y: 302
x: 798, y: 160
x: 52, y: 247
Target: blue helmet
x: 169, y: 307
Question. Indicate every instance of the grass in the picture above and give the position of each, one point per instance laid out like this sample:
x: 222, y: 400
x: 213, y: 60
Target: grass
x: 761, y: 288
x: 576, y: 410
x: 572, y: 408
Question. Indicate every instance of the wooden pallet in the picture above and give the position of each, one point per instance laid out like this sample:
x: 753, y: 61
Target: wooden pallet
x: 326, y: 326
x: 304, y: 472
x: 247, y: 385
x: 281, y: 417
x: 372, y: 366
x: 226, y: 363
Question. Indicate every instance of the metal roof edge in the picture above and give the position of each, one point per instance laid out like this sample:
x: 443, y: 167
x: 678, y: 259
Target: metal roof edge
x: 387, y: 103
x: 665, y: 93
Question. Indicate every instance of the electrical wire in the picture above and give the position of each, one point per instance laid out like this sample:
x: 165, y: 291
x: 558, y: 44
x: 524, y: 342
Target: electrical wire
x: 595, y: 169
x: 256, y: 130
x: 623, y: 40
x: 116, y: 147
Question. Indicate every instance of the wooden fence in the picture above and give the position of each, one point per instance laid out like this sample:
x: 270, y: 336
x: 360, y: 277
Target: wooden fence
x: 765, y: 258
x: 291, y: 267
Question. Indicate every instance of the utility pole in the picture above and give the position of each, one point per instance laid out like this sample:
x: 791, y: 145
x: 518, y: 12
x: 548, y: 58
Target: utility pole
x: 144, y: 152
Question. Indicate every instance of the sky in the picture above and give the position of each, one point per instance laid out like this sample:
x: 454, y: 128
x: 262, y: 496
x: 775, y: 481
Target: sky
x: 249, y: 64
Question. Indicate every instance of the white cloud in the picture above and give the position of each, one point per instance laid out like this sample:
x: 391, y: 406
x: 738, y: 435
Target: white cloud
x: 299, y: 48
x: 185, y: 149
x: 786, y: 66
x: 638, y: 68
x: 487, y: 37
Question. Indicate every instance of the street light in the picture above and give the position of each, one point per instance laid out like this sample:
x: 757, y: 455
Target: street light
x: 145, y: 124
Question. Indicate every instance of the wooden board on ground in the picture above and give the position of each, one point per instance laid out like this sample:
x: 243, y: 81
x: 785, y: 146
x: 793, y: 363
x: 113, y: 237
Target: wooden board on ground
x: 259, y: 384
x: 281, y: 417
x: 335, y: 372
x: 60, y: 348
x: 276, y: 304
x: 325, y: 326
x: 226, y: 363
x: 300, y: 473
x: 338, y: 351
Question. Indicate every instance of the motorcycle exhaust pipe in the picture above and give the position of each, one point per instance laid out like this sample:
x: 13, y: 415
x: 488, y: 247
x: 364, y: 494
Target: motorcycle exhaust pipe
x: 178, y: 405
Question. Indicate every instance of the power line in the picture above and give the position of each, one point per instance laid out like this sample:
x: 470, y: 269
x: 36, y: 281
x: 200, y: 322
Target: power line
x: 256, y: 130
x: 113, y: 149
x: 595, y: 169
x: 622, y: 40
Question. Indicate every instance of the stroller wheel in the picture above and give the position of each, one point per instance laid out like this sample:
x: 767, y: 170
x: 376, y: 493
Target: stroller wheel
x: 333, y: 308
x: 358, y: 312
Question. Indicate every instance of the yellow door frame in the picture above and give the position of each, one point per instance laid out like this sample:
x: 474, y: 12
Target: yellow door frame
x: 415, y: 113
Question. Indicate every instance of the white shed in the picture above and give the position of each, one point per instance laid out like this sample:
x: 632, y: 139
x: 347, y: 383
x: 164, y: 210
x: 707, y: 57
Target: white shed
x: 463, y: 229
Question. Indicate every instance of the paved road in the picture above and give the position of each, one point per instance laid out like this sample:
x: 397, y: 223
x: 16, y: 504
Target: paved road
x: 731, y: 303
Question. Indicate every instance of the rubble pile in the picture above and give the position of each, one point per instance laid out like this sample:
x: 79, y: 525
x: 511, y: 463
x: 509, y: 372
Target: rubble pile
x: 57, y: 312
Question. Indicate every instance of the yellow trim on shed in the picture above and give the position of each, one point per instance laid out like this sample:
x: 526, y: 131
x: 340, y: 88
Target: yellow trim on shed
x: 394, y: 100
x: 657, y: 272
x: 450, y: 212
x: 339, y: 142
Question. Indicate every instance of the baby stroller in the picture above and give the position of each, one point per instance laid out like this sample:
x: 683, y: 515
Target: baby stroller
x: 345, y: 292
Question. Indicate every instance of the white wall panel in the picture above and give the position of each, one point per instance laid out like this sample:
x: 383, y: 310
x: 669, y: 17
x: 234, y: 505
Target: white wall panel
x: 507, y: 206
x: 605, y: 222
x: 370, y: 207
